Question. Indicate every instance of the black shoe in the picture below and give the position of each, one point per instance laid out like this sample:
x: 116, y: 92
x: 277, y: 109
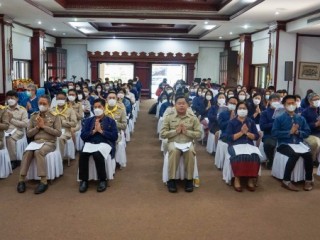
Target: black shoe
x: 83, y: 186
x: 14, y: 164
x: 41, y: 188
x: 172, y: 187
x: 269, y: 165
x: 102, y: 186
x: 21, y: 188
x: 189, y: 186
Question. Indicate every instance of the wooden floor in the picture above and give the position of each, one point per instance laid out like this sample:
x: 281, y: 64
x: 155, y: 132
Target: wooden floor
x: 138, y: 206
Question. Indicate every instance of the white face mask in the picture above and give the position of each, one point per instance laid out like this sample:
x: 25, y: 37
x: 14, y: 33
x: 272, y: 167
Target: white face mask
x: 291, y: 108
x: 86, y: 94
x: 231, y: 107
x: 256, y: 101
x: 120, y: 95
x: 275, y: 104
x: 80, y: 96
x: 267, y: 97
x: 221, y: 101
x: 169, y: 91
x: 43, y: 108
x: 316, y: 103
x: 208, y: 98
x: 70, y: 87
x: 98, y: 89
x: 77, y: 88
x: 242, y: 97
x: 242, y: 112
x: 61, y: 102
x: 71, y: 98
x: 203, y: 94
x: 98, y: 112
x: 229, y: 96
x: 298, y: 104
x: 11, y: 102
x: 112, y: 102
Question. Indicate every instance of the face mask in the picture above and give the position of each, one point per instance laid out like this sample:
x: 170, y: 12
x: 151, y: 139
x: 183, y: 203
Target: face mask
x: 112, y: 102
x: 242, y: 112
x: 169, y: 91
x: 275, y: 104
x: 221, y: 101
x: 98, y: 89
x: 77, y: 88
x: 208, y: 98
x: 242, y: 98
x: 86, y: 94
x: 70, y: 87
x: 11, y: 102
x: 80, y: 97
x: 298, y: 104
x: 256, y: 101
x: 229, y: 96
x: 203, y: 94
x: 192, y: 90
x: 61, y: 102
x: 267, y: 97
x: 28, y: 93
x: 120, y: 95
x: 98, y: 112
x: 239, y: 89
x: 65, y: 90
x: 316, y: 103
x: 71, y: 98
x: 291, y: 108
x: 43, y: 108
x: 231, y: 107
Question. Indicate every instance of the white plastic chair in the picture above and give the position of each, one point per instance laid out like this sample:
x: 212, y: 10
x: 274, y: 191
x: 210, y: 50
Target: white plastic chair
x: 54, y: 165
x: 211, y: 142
x: 21, y: 145
x: 222, y: 149
x: 121, y: 156
x: 69, y: 151
x: 279, y: 165
x: 5, y: 163
x: 110, y: 169
x: 180, y: 171
x: 131, y: 125
x: 79, y: 141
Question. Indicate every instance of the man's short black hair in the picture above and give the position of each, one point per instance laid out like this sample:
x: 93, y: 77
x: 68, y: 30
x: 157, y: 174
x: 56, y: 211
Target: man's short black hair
x: 100, y: 100
x: 12, y: 93
x: 288, y: 97
x: 181, y: 96
x: 46, y: 97
x: 61, y: 93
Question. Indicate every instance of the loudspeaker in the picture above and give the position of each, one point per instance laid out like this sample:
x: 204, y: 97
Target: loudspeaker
x: 288, y: 71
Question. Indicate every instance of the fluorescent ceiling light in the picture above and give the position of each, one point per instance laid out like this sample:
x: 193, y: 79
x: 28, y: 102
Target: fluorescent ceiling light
x: 249, y: 1
x: 209, y: 27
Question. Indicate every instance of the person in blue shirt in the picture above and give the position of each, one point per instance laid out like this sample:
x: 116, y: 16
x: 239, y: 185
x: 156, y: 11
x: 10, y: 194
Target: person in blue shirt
x: 266, y: 122
x: 96, y: 130
x: 225, y: 116
x: 256, y: 106
x: 299, y: 109
x: 291, y: 128
x: 198, y: 106
x: 137, y: 84
x: 243, y: 130
x: 214, y: 111
x: 32, y: 102
x: 312, y: 116
x: 305, y: 102
x: 165, y: 104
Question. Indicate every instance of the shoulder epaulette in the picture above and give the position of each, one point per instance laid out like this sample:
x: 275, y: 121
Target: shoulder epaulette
x: 34, y: 113
x: 2, y: 107
x: 22, y: 107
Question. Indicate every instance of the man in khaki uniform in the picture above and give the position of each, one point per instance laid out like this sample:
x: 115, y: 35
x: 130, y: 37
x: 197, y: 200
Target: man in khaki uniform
x: 18, y: 116
x: 116, y: 112
x: 44, y: 127
x: 181, y: 126
x: 68, y: 119
x: 4, y: 124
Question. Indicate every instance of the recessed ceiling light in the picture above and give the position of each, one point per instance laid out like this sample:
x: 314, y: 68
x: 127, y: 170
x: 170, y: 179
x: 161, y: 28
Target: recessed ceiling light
x: 230, y: 33
x: 209, y: 27
x: 39, y: 22
x: 76, y: 19
x: 54, y: 29
x: 114, y: 37
x: 276, y: 13
x: 63, y: 34
x: 206, y: 22
x: 170, y: 38
x: 249, y: 1
x: 246, y: 26
x: 220, y: 37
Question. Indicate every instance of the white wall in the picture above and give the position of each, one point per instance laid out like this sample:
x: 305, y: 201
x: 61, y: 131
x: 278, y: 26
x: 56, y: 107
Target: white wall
x: 308, y: 51
x: 260, y: 46
x: 287, y: 52
x: 21, y: 41
x: 208, y: 59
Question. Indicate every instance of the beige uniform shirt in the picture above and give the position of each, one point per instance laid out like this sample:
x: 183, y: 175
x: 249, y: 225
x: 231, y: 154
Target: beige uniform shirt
x: 119, y: 115
x: 68, y: 120
x: 173, y: 120
x: 50, y: 132
x: 19, y: 121
x: 4, y: 124
x: 77, y: 107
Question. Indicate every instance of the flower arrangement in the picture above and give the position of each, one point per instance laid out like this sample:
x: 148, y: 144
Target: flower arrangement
x: 21, y: 84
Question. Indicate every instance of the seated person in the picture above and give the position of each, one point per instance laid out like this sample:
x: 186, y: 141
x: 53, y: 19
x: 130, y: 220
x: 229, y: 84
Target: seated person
x: 255, y: 107
x: 312, y: 116
x: 299, y: 109
x: 225, y: 116
x: 68, y: 119
x: 76, y: 105
x: 198, y: 101
x: 165, y: 104
x: 266, y: 122
x: 44, y: 127
x: 243, y: 130
x: 86, y: 106
x: 18, y: 123
x: 32, y: 103
x: 96, y: 130
x: 180, y: 127
x: 122, y: 99
x: 4, y: 124
x: 291, y: 128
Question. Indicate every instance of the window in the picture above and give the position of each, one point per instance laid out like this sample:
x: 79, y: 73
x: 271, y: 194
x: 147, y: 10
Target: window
x: 172, y: 72
x: 115, y: 71
x: 260, y: 76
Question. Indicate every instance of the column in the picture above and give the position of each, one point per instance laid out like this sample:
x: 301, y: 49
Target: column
x: 245, y: 59
x: 37, y: 56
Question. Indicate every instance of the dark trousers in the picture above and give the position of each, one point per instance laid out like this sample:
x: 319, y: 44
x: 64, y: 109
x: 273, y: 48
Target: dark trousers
x: 84, y: 166
x: 293, y: 158
x: 269, y: 146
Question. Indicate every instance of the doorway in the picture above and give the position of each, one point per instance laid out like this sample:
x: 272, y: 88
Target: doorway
x: 115, y: 71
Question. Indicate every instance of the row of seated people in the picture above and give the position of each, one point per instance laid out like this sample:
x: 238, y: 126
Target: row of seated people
x: 230, y: 118
x: 67, y: 110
